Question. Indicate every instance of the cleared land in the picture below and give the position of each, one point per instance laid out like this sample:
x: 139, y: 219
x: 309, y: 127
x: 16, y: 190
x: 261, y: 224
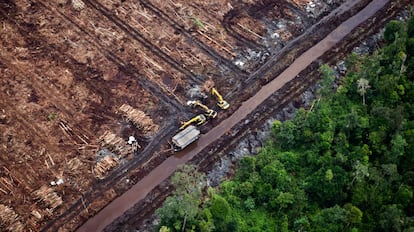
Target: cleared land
x: 78, y: 78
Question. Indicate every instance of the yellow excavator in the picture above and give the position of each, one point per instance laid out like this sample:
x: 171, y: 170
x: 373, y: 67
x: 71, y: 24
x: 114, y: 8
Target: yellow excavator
x: 199, y: 119
x: 208, y: 112
x: 220, y: 101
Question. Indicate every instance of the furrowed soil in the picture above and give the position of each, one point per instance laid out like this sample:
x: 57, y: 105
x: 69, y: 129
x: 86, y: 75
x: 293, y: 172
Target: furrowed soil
x: 80, y: 77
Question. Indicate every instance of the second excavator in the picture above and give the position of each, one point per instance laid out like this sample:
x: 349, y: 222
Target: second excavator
x: 208, y: 112
x: 220, y: 101
x: 199, y: 119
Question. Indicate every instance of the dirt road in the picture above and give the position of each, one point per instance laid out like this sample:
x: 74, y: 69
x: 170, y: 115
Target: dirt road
x: 163, y: 171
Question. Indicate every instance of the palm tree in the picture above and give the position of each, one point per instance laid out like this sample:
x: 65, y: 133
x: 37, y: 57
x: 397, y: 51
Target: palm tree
x: 363, y: 85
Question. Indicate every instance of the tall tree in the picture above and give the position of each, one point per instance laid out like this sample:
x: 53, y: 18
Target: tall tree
x: 180, y: 210
x: 363, y: 86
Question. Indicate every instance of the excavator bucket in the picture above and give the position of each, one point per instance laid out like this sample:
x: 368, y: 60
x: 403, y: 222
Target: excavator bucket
x: 220, y: 101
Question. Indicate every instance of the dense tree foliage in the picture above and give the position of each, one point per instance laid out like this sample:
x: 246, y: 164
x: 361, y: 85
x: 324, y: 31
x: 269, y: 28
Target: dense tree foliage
x: 346, y: 164
x: 180, y: 210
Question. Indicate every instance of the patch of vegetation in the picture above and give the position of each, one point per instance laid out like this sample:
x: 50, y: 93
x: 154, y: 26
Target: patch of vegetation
x: 52, y: 116
x: 197, y: 22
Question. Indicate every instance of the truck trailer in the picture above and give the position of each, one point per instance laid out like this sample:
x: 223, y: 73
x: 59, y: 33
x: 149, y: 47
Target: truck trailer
x: 185, y: 137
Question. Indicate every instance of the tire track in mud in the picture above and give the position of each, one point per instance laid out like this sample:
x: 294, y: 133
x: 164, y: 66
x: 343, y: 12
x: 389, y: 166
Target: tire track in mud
x: 128, y: 69
x: 162, y: 172
x: 227, y: 24
x: 141, y: 39
x: 203, y: 47
x: 289, y: 4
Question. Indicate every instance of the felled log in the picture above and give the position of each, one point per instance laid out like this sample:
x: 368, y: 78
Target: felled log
x: 103, y: 166
x: 139, y: 119
x: 10, y: 219
x: 49, y: 197
x: 115, y: 144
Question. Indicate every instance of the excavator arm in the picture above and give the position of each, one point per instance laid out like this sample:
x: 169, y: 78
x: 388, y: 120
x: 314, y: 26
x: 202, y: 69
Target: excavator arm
x: 220, y: 101
x: 209, y: 112
x: 199, y: 119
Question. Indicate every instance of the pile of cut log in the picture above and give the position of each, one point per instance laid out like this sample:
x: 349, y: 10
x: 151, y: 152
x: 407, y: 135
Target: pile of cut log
x: 115, y: 144
x: 139, y: 119
x: 49, y: 197
x: 104, y: 165
x: 74, y: 164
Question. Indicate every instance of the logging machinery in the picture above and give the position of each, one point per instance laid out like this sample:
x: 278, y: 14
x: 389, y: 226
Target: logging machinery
x: 188, y: 133
x: 220, y: 101
x: 208, y: 112
x: 199, y: 119
x: 185, y: 137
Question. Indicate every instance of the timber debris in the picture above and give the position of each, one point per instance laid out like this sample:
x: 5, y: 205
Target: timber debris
x: 115, y: 144
x: 48, y: 196
x: 10, y: 219
x: 103, y: 166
